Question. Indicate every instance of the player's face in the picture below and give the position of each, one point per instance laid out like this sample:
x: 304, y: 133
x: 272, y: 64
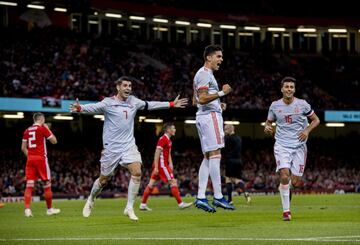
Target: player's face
x: 124, y: 89
x: 288, y: 90
x: 172, y: 130
x: 40, y: 120
x: 215, y: 60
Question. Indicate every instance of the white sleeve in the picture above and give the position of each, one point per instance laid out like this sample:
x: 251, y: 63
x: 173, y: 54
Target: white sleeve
x: 202, y: 81
x: 150, y: 105
x: 271, y: 115
x: 94, y: 107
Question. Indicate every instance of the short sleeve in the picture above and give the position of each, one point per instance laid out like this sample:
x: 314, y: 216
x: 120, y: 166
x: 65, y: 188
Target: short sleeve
x: 25, y: 136
x: 138, y: 103
x: 307, y: 111
x: 46, y: 132
x: 271, y: 115
x: 202, y: 81
x: 162, y: 143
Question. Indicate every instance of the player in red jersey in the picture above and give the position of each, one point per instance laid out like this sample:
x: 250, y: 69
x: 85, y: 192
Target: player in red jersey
x: 162, y: 168
x: 37, y: 167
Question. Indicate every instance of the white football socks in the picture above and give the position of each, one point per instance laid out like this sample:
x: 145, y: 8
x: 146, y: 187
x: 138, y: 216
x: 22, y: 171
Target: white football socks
x: 203, y: 178
x: 214, y: 169
x: 285, y: 197
x: 133, y: 190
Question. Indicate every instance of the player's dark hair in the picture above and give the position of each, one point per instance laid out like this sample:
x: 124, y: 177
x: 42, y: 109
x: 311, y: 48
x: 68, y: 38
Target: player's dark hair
x: 124, y: 78
x: 288, y: 79
x: 37, y: 115
x: 209, y: 50
x: 166, y: 126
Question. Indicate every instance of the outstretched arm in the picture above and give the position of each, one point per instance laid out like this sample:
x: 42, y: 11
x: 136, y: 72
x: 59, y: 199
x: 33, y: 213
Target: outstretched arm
x: 75, y: 107
x: 156, y: 105
x: 91, y: 108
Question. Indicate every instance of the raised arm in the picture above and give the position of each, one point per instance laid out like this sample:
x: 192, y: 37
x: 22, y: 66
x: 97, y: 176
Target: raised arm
x: 157, y: 105
x: 89, y: 108
x: 52, y: 138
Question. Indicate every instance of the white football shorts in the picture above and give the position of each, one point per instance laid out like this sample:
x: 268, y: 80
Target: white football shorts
x: 211, y: 131
x: 291, y: 158
x: 110, y: 160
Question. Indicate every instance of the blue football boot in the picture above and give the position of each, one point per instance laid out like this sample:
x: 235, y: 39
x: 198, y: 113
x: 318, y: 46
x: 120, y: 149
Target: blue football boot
x: 204, y: 205
x: 222, y: 203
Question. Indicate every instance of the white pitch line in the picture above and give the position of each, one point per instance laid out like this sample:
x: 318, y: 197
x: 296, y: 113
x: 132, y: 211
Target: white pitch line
x: 308, y: 239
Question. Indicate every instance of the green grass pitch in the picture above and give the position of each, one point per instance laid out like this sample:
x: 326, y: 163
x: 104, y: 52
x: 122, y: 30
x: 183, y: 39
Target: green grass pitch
x: 317, y: 219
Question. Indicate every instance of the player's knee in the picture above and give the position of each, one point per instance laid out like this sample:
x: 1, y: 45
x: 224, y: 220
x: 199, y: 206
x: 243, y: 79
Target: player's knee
x: 30, y: 183
x: 103, y: 180
x: 173, y: 183
x: 47, y: 183
x: 136, y: 172
x: 284, y: 177
x: 295, y: 182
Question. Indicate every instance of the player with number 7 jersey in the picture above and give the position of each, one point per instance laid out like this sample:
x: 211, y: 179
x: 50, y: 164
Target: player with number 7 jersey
x: 119, y: 146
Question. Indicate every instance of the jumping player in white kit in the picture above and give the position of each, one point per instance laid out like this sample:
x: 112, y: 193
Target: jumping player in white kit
x: 119, y: 146
x: 209, y: 123
x: 292, y: 130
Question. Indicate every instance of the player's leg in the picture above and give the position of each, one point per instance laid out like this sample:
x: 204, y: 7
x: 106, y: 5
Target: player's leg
x: 284, y: 189
x: 298, y: 167
x: 109, y: 161
x: 45, y: 175
x: 203, y: 175
x: 96, y: 189
x: 31, y: 175
x: 148, y: 190
x: 214, y: 170
x: 201, y: 202
x: 203, y: 178
x: 27, y: 197
x: 48, y: 199
x: 176, y: 194
x: 214, y: 167
x: 283, y: 159
x: 133, y: 188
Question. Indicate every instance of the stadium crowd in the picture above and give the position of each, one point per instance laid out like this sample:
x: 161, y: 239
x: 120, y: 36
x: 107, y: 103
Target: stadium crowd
x: 75, y: 65
x: 73, y: 171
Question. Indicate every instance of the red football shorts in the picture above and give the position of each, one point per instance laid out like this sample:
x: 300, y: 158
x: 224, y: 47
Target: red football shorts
x: 165, y: 174
x: 37, y: 168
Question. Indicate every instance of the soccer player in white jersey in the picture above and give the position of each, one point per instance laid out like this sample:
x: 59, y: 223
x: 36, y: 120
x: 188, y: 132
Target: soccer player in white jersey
x: 209, y: 123
x: 118, y: 139
x: 292, y: 130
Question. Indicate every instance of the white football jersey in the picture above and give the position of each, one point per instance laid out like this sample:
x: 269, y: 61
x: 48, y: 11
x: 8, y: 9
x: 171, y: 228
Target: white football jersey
x: 118, y: 130
x: 204, y: 79
x: 290, y: 121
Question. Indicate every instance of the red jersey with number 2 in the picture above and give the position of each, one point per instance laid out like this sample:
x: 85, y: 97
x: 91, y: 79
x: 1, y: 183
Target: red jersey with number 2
x: 36, y: 137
